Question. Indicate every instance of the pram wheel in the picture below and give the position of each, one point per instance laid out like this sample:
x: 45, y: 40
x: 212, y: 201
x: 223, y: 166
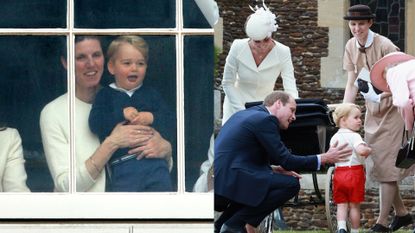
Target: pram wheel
x: 330, y: 205
x: 267, y: 225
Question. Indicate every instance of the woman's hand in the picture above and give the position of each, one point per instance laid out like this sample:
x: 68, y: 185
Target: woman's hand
x: 122, y: 136
x: 155, y: 147
x: 131, y: 136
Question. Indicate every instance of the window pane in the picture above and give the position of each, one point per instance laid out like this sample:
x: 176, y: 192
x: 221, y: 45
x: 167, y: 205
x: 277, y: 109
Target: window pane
x: 157, y: 95
x: 198, y: 86
x: 125, y: 14
x: 31, y: 76
x: 193, y: 17
x: 33, y: 13
x: 161, y: 75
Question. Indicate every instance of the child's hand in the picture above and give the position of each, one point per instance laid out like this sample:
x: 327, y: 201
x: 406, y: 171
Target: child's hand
x: 363, y: 150
x: 143, y: 118
x: 130, y: 113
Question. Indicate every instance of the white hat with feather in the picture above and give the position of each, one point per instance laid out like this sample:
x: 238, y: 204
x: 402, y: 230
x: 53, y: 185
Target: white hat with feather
x: 261, y: 24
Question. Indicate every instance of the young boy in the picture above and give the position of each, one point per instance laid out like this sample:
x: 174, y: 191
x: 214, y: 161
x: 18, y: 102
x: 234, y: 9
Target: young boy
x: 349, y: 177
x: 120, y: 101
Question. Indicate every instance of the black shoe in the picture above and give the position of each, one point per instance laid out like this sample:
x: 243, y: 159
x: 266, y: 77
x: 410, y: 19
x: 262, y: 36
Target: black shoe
x: 400, y: 221
x: 341, y: 231
x: 226, y: 229
x: 379, y: 228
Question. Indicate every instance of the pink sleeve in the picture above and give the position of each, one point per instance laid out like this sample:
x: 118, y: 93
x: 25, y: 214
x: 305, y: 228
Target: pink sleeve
x: 398, y: 86
x: 402, y: 85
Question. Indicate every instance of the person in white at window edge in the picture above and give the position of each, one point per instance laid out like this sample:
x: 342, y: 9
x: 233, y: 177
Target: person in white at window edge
x: 12, y: 171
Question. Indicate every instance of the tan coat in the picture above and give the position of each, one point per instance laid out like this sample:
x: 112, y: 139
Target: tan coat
x: 12, y: 172
x: 383, y: 124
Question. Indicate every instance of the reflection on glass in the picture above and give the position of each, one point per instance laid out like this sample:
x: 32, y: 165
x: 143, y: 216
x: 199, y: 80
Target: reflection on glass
x: 192, y: 16
x: 33, y: 13
x: 31, y: 76
x: 125, y: 14
x: 198, y: 86
x: 137, y: 78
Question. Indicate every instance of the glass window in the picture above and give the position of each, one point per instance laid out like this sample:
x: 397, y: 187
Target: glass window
x: 33, y: 13
x: 193, y: 17
x: 31, y: 77
x: 125, y: 14
x: 198, y: 92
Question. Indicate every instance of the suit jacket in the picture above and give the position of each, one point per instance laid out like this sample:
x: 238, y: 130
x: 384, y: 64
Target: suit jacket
x: 244, y: 81
x: 12, y: 172
x: 246, y: 146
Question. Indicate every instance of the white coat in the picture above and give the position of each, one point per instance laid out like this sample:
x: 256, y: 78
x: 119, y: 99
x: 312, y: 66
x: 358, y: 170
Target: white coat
x: 244, y: 81
x: 12, y: 172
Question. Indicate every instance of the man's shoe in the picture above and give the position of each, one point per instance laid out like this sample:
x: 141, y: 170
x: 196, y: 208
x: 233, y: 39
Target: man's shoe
x: 341, y: 231
x: 400, y: 221
x: 379, y: 228
x: 226, y: 229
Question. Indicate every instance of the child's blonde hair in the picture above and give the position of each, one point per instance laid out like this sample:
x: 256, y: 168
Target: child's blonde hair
x: 343, y: 110
x: 137, y: 42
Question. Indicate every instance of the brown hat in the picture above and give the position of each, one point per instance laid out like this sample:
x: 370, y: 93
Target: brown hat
x: 359, y: 12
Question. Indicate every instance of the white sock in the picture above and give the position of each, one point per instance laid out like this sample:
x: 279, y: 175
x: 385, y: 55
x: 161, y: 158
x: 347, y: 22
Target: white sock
x: 354, y: 230
x: 341, y: 225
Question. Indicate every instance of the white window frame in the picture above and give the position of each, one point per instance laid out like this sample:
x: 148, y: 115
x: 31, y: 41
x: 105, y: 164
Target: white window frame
x: 75, y: 205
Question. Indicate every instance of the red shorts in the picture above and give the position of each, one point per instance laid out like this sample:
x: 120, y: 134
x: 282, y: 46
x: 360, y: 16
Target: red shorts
x: 349, y: 184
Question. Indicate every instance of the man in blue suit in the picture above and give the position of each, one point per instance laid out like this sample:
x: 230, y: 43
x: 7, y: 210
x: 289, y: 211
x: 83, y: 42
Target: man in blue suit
x: 254, y: 171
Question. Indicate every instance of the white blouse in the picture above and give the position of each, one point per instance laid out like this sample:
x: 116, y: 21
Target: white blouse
x: 12, y: 172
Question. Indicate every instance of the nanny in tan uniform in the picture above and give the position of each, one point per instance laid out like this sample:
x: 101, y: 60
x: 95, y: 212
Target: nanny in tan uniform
x: 383, y: 123
x: 12, y: 172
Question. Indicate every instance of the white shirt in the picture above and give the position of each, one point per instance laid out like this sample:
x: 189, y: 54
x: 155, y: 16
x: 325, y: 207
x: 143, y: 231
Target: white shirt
x: 353, y: 139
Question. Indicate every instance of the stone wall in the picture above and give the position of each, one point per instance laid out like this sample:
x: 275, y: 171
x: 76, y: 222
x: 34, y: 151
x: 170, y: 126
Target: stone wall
x: 298, y: 29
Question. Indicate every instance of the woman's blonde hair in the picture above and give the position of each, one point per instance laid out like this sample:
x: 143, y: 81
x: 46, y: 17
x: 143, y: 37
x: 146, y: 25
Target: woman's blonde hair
x: 343, y: 110
x: 137, y: 42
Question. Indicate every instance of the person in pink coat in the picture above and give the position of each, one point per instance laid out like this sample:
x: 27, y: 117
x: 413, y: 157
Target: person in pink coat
x: 395, y: 73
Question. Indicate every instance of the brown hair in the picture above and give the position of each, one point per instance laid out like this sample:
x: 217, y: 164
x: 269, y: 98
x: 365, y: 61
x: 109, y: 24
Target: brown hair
x: 277, y: 95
